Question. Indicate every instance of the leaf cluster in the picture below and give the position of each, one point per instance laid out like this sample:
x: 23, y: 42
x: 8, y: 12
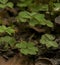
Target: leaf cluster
x: 27, y: 48
x: 48, y: 40
x: 37, y: 15
x: 8, y: 30
x: 5, y: 3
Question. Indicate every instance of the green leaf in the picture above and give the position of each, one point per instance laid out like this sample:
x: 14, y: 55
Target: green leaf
x: 8, y: 40
x: 43, y: 7
x: 30, y: 44
x: 24, y: 51
x: 2, y: 29
x: 9, y: 30
x: 27, y: 48
x: 28, y: 51
x: 50, y: 37
x: 32, y: 52
x: 35, y: 7
x: 48, y: 40
x: 2, y: 6
x: 34, y: 18
x: 40, y: 18
x: 10, y: 4
x: 33, y: 22
x: 24, y: 3
x: 21, y: 45
x: 24, y: 14
x: 49, y: 23
x: 23, y: 19
x: 3, y: 1
x: 21, y: 4
x: 38, y: 7
x: 51, y: 44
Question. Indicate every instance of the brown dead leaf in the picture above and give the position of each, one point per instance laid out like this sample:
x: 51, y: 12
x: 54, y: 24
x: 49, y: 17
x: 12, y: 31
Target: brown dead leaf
x: 57, y: 20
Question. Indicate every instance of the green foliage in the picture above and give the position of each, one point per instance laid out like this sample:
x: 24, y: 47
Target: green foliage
x: 34, y: 12
x: 24, y: 3
x: 33, y: 5
x: 57, y: 6
x: 48, y: 40
x: 27, y: 48
x: 5, y: 3
x: 34, y: 18
x: 8, y: 30
x: 7, y: 41
x: 43, y: 7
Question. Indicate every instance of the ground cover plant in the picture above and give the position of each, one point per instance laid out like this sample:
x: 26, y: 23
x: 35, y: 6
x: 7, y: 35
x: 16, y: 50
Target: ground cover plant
x: 29, y: 27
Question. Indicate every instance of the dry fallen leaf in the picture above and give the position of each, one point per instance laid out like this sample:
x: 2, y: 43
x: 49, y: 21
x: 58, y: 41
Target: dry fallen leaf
x: 57, y: 20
